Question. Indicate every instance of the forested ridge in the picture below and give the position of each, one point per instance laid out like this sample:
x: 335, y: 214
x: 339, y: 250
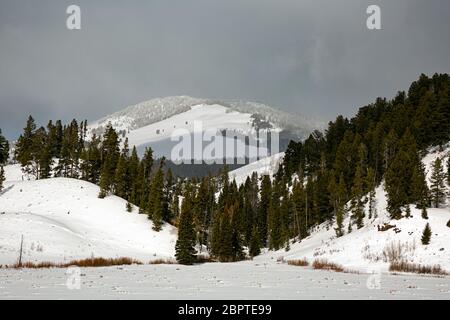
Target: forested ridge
x: 325, y: 177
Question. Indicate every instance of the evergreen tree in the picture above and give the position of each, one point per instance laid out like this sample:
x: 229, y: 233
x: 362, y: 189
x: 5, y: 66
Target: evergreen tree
x: 4, y: 149
x: 424, y: 213
x: 255, y: 243
x: 448, y: 169
x: 357, y: 205
x: 157, y: 205
x: 419, y: 188
x: 371, y: 185
x: 91, y: 164
x: 122, y: 183
x: 185, y: 245
x: 110, y: 156
x: 408, y: 211
x: 24, y: 148
x: 340, y: 206
x: 298, y: 204
x: 264, y: 207
x: 426, y: 235
x: 2, y: 178
x: 438, y: 189
x: 144, y: 181
x: 42, y: 154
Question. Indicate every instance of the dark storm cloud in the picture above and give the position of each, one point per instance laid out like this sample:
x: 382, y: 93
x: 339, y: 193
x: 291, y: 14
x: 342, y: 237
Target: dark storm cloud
x: 312, y: 57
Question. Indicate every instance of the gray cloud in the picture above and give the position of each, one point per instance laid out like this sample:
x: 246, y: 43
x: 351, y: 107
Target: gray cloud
x: 311, y: 57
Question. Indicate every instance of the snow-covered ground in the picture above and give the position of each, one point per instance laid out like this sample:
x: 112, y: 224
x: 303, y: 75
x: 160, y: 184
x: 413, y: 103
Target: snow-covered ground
x: 266, y: 166
x: 244, y: 280
x: 63, y: 219
x: 364, y: 249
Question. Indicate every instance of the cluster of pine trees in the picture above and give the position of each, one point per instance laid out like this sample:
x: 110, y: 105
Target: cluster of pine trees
x: 38, y: 149
x: 385, y: 140
x: 320, y: 180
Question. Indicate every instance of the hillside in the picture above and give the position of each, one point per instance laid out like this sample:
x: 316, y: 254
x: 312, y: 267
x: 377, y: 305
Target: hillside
x: 366, y: 249
x: 266, y: 166
x: 62, y: 219
x: 152, y: 123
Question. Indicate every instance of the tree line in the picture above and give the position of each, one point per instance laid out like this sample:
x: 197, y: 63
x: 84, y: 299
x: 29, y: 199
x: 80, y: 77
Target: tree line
x: 322, y: 179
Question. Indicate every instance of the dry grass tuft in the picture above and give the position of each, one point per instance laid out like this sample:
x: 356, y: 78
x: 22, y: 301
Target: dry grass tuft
x: 403, y: 266
x: 299, y: 263
x: 322, y: 264
x: 90, y: 262
x: 163, y: 261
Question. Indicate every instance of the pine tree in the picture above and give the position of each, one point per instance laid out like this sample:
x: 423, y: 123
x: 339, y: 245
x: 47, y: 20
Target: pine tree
x: 2, y: 178
x: 371, y: 185
x: 338, y: 195
x: 4, y: 149
x: 448, y: 169
x: 263, y: 208
x: 357, y: 205
x: 129, y: 207
x: 419, y: 188
x: 255, y: 243
x: 185, y: 245
x: 438, y: 189
x: 426, y: 235
x: 298, y: 204
x: 143, y: 181
x: 91, y: 164
x: 157, y: 205
x: 424, y: 213
x: 110, y: 157
x: 408, y: 211
x: 24, y: 148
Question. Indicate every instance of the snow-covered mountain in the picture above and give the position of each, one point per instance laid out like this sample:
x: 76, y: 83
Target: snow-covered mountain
x: 153, y: 122
x: 63, y: 219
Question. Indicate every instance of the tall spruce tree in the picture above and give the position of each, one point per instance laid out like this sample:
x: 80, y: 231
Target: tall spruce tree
x: 371, y: 185
x: 255, y: 243
x: 4, y: 149
x: 157, y: 204
x: 338, y: 192
x: 357, y: 205
x: 419, y: 187
x: 110, y: 155
x: 24, y: 148
x: 448, y: 169
x: 264, y: 207
x: 185, y: 252
x: 2, y: 178
x: 438, y: 177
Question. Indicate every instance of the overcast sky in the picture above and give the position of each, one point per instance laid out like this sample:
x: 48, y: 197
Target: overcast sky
x: 311, y: 57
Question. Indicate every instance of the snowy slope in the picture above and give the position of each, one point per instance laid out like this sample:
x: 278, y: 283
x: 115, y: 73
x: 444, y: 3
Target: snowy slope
x: 63, y: 219
x: 152, y: 123
x: 266, y: 166
x: 363, y: 249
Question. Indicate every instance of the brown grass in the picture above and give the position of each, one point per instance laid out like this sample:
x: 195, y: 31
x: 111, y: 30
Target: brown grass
x: 403, y: 266
x: 323, y: 264
x: 90, y: 262
x: 162, y: 261
x: 299, y: 263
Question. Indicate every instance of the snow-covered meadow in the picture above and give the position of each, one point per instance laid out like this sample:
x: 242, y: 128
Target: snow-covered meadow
x: 63, y: 219
x: 243, y: 280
